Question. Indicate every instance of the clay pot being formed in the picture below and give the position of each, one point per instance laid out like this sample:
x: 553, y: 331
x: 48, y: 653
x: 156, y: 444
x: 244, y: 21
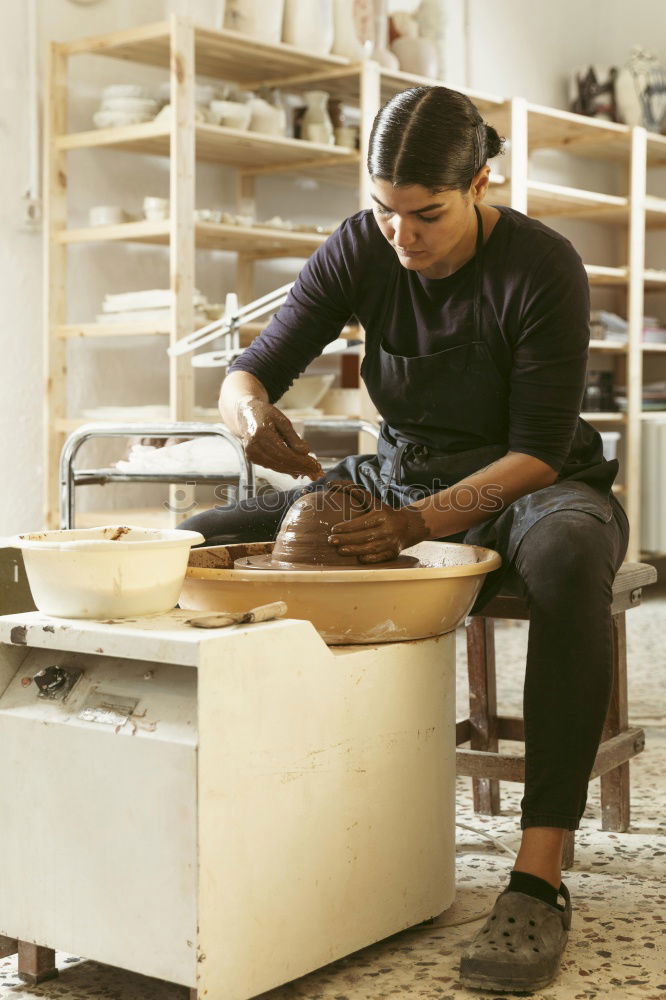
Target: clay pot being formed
x: 303, y: 536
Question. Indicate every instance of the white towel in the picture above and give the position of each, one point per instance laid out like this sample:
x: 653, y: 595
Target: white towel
x: 204, y: 455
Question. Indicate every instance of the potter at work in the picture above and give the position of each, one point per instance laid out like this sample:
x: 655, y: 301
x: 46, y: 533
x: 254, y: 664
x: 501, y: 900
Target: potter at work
x: 476, y: 324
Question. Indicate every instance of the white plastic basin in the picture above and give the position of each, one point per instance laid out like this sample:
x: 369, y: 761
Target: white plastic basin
x: 114, y: 571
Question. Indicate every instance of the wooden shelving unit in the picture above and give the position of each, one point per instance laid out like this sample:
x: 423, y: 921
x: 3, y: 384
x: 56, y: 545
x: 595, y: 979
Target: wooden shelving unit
x: 532, y: 128
x: 257, y: 240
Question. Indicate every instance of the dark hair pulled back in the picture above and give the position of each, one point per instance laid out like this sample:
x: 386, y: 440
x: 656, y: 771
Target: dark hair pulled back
x: 432, y: 136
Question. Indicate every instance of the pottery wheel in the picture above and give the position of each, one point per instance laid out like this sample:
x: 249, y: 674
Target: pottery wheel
x: 264, y: 562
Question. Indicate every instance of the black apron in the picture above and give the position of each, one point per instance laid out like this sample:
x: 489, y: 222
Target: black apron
x: 460, y: 394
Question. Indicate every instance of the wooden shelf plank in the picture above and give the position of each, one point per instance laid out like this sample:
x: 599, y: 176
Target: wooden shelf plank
x: 262, y: 241
x: 654, y: 348
x: 224, y: 54
x: 600, y: 275
x: 608, y: 346
x: 656, y: 150
x: 545, y: 200
x: 215, y: 143
x: 655, y: 280
x: 655, y: 212
x: 230, y: 55
x: 604, y: 418
x: 70, y: 331
x: 248, y: 332
x: 554, y: 128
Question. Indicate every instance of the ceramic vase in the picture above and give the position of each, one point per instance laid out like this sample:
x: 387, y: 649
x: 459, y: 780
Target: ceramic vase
x: 316, y: 125
x: 431, y: 17
x: 260, y: 18
x: 416, y: 55
x: 640, y: 90
x: 380, y: 50
x: 308, y: 24
x: 364, y: 23
x: 346, y: 40
x: 268, y: 118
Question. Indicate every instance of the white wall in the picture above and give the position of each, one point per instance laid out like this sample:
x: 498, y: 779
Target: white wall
x: 514, y: 47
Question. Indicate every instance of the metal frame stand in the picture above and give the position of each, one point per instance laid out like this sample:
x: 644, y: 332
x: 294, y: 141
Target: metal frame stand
x: 70, y: 477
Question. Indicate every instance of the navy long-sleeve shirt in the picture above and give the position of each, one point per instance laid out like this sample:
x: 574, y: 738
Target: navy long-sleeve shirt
x: 536, y: 300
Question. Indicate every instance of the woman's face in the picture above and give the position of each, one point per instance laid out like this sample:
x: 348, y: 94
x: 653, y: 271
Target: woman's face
x: 427, y: 229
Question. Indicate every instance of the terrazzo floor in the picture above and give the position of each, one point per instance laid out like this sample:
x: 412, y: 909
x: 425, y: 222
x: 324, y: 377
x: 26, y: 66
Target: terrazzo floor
x: 617, y: 947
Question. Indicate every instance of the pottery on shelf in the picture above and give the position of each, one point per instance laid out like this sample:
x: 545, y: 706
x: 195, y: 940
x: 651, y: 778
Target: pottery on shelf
x: 416, y: 55
x: 268, y: 118
x: 640, y: 91
x: 346, y: 39
x: 232, y: 114
x: 303, y: 536
x: 315, y: 123
x: 260, y: 18
x: 380, y: 50
x: 347, y: 136
x: 308, y: 24
x: 431, y: 16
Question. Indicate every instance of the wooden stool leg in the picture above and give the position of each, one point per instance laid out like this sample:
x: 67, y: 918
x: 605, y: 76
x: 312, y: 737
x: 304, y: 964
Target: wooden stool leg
x: 483, y: 707
x: 615, y: 797
x: 568, y: 850
x: 35, y: 963
x: 8, y: 946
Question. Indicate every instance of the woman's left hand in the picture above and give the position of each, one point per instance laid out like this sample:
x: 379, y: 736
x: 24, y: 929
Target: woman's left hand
x: 379, y: 536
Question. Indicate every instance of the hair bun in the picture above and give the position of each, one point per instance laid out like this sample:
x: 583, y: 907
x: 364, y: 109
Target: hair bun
x: 494, y: 142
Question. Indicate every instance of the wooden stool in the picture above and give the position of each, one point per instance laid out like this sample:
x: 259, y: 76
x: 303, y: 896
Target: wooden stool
x: 484, y: 727
x: 35, y: 963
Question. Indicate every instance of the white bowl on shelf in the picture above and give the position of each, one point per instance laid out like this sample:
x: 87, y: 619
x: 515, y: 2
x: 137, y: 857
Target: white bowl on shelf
x: 231, y: 114
x: 119, y: 119
x: 156, y: 209
x: 130, y: 105
x: 654, y: 336
x: 106, y: 215
x: 123, y: 90
x: 306, y: 392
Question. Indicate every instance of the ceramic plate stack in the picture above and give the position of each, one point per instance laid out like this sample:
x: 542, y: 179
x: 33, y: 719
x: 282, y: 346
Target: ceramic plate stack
x: 124, y: 104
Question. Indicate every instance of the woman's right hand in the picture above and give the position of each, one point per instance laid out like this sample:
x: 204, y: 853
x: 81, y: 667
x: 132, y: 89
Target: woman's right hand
x: 269, y: 439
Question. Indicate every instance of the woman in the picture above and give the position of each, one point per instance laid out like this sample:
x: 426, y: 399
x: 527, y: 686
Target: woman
x: 476, y: 322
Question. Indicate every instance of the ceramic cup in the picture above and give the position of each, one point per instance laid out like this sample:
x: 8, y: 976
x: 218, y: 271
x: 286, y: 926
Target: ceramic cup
x: 106, y: 215
x: 347, y: 136
x: 231, y: 113
x: 155, y: 209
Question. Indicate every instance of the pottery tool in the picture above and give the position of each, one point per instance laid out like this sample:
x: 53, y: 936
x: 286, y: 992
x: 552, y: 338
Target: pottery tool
x: 264, y: 613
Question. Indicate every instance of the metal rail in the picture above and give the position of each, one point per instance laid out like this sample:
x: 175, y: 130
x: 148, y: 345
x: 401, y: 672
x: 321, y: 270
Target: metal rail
x: 68, y: 475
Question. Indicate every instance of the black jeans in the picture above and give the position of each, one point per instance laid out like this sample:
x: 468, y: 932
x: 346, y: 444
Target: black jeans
x: 564, y: 566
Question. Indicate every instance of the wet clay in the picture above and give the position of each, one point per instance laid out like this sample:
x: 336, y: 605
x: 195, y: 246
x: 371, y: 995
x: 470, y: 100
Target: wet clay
x: 303, y: 536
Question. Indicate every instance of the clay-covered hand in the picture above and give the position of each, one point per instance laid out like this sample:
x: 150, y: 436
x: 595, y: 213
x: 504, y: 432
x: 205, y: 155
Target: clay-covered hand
x: 381, y: 535
x: 269, y: 439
